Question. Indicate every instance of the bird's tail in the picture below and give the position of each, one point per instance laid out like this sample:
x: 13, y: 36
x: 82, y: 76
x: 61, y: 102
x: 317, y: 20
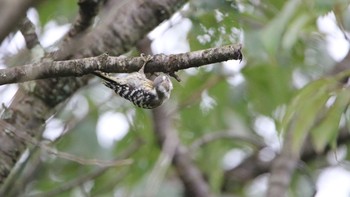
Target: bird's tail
x: 104, y: 76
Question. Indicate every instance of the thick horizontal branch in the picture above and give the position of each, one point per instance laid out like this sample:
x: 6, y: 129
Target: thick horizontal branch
x: 120, y: 64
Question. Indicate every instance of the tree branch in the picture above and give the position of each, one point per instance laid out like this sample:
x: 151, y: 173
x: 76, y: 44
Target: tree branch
x: 93, y: 174
x: 11, y: 12
x: 188, y: 172
x: 27, y: 29
x: 229, y: 135
x: 119, y: 32
x: 121, y: 64
x: 253, y: 166
x: 282, y: 168
x: 88, y: 9
x: 63, y: 155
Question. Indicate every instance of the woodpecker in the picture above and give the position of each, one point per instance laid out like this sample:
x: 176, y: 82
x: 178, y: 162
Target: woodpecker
x: 138, y: 89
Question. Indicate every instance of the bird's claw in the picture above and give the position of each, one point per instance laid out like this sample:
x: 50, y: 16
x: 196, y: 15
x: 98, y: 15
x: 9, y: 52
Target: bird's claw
x: 146, y: 59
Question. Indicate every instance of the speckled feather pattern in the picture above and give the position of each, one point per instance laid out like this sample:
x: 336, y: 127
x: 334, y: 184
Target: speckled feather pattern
x: 138, y: 89
x: 140, y: 96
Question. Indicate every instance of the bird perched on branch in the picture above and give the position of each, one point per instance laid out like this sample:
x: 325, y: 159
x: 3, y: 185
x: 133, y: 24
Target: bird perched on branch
x: 138, y: 89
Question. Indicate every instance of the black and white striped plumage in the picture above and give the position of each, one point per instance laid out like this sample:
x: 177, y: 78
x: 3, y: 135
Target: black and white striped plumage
x: 141, y: 91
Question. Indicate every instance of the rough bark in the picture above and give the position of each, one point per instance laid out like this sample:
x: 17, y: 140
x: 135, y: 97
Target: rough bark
x: 121, y: 64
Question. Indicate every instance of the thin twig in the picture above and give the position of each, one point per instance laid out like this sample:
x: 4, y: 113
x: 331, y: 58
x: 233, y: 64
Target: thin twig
x: 210, y: 137
x: 196, y: 94
x: 27, y: 29
x: 84, y: 161
x: 97, y: 172
x: 10, y: 131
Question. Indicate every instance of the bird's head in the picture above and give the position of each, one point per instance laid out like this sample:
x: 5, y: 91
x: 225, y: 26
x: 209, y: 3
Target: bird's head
x: 163, y: 86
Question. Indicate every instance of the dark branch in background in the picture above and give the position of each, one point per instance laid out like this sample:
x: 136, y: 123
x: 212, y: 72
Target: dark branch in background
x: 105, y: 63
x: 210, y: 137
x: 23, y: 136
x: 37, y: 52
x: 117, y: 34
x: 27, y: 29
x: 253, y: 166
x: 12, y: 184
x: 88, y: 9
x: 11, y: 12
x: 191, y: 177
x: 63, y: 155
x: 23, y: 174
x: 341, y: 66
x: 93, y: 174
x: 282, y: 168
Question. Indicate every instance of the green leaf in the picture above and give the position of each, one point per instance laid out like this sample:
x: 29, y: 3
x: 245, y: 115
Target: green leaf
x: 272, y: 34
x: 268, y: 86
x: 54, y: 10
x: 213, y: 27
x: 325, y: 132
x: 325, y: 6
x: 306, y: 117
x: 303, y: 111
x: 316, y: 87
x: 294, y: 30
